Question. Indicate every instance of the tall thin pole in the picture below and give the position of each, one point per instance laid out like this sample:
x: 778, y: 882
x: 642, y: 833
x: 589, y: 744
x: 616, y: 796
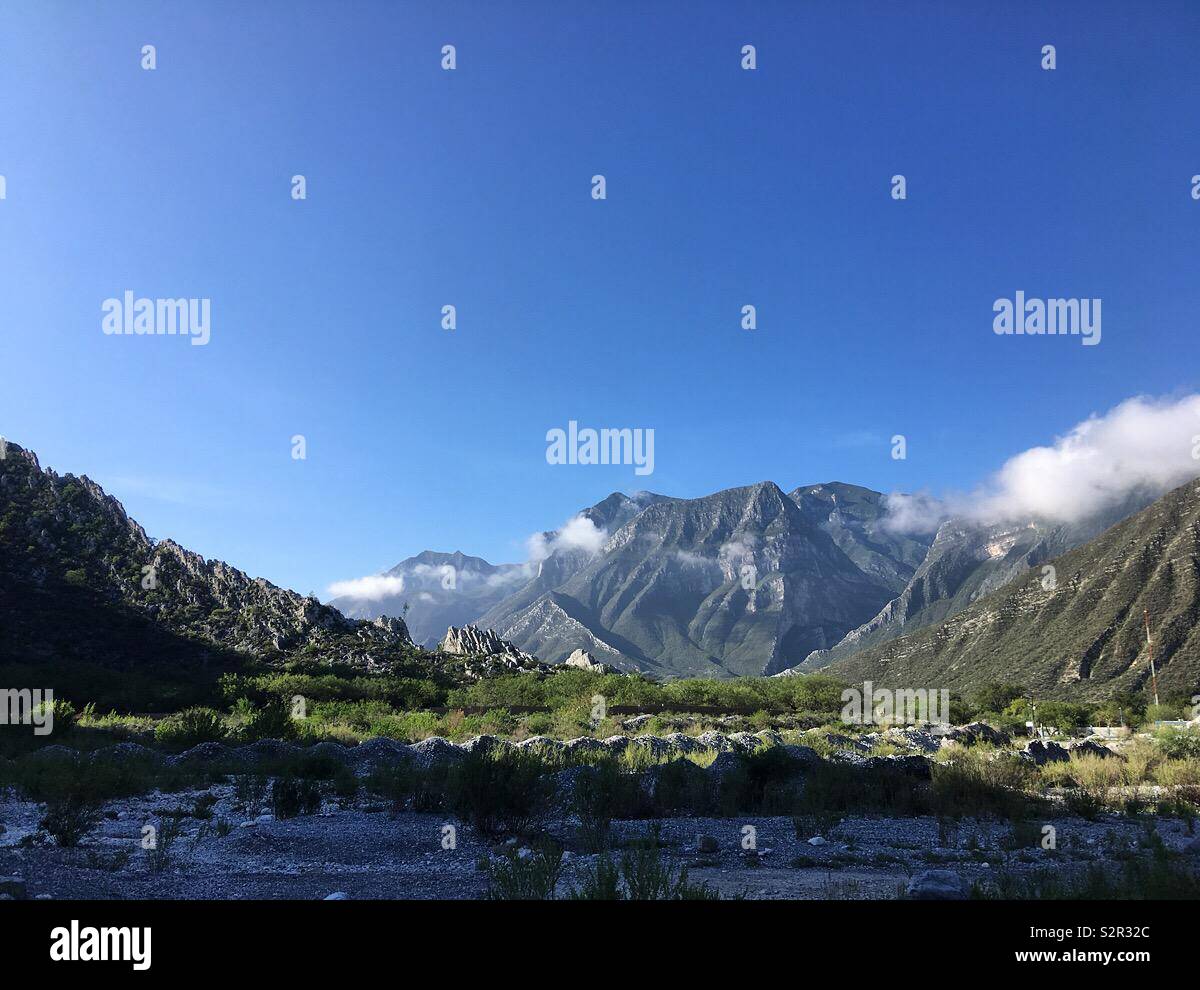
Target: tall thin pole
x: 1150, y: 645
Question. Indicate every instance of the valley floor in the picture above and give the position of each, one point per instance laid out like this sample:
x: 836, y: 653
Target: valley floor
x: 363, y: 851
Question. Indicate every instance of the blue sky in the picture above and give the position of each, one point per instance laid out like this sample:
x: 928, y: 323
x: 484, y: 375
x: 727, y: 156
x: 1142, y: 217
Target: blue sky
x: 472, y: 187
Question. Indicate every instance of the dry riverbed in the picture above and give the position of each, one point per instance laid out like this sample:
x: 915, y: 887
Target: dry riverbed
x: 362, y: 850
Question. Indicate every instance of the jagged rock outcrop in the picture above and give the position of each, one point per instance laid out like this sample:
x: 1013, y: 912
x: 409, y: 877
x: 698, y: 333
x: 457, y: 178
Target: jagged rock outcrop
x: 81, y: 580
x: 583, y: 660
x: 488, y: 653
x: 473, y: 641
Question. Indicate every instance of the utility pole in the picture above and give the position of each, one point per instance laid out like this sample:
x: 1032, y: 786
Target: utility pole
x: 1150, y: 646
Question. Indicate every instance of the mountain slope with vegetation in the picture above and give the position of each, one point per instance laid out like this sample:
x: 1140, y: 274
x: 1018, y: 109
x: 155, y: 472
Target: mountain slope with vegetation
x: 966, y: 561
x: 82, y: 584
x: 1075, y: 630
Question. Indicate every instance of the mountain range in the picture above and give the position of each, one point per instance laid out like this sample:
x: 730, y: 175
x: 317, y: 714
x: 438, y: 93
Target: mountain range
x: 747, y: 581
x: 665, y: 588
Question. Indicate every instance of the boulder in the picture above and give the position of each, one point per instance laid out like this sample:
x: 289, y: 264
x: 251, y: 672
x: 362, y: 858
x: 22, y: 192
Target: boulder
x: 725, y: 764
x: 541, y: 744
x: 976, y: 732
x: 1086, y: 747
x: 1040, y: 752
x: 267, y: 752
x: 584, y: 746
x: 582, y: 660
x: 655, y: 747
x: 707, y: 844
x: 912, y: 738
x: 715, y: 740
x: 937, y: 885
x: 471, y: 641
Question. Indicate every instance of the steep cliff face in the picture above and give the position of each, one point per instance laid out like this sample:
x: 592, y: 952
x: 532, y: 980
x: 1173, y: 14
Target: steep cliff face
x: 740, y: 582
x: 1077, y: 628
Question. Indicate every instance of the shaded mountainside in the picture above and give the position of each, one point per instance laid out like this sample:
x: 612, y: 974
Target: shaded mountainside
x: 745, y: 581
x: 1084, y: 636
x: 854, y: 518
x: 563, y: 559
x: 82, y: 582
x: 965, y: 562
x: 440, y: 590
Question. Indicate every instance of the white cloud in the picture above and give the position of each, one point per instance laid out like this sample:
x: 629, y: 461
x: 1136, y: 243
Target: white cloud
x: 367, y: 589
x: 577, y: 533
x: 1140, y: 446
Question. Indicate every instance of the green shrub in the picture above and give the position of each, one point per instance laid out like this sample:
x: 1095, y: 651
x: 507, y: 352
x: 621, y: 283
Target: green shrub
x: 505, y: 791
x: 641, y: 876
x: 1156, y: 878
x: 976, y: 783
x: 292, y: 796
x: 1179, y: 745
x: 533, y: 877
x: 62, y: 711
x: 250, y: 790
x: 190, y: 728
x: 202, y: 808
x: 272, y: 721
x: 158, y: 853
x: 70, y: 817
x: 601, y: 793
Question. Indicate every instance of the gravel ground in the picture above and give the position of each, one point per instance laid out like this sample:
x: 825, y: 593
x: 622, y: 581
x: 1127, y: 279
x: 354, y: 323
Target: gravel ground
x: 365, y: 851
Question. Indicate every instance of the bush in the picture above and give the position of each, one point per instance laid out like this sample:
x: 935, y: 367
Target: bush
x: 1158, y: 878
x: 1179, y: 745
x: 250, y: 790
x: 767, y: 784
x: 71, y: 817
x: 158, y: 853
x: 190, y: 728
x: 502, y: 792
x: 292, y: 796
x: 601, y: 793
x: 972, y: 784
x: 641, y: 876
x: 533, y: 877
x: 272, y: 721
x: 62, y: 714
